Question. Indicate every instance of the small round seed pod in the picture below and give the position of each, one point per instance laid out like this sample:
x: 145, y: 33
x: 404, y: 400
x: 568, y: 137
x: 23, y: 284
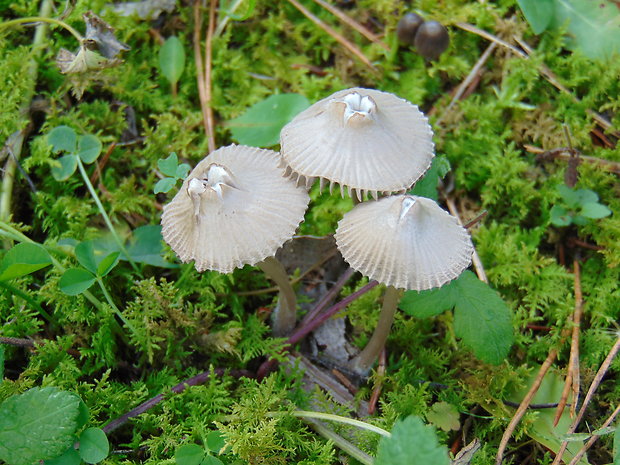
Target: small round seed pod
x: 407, y: 28
x: 431, y: 40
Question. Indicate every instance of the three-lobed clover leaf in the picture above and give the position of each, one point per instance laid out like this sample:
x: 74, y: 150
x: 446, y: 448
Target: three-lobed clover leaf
x: 95, y: 263
x: 578, y: 206
x: 64, y: 139
x: 174, y: 171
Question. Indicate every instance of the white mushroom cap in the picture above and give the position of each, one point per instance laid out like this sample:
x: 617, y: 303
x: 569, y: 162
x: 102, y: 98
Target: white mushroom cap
x: 363, y: 139
x: 404, y: 241
x: 235, y: 208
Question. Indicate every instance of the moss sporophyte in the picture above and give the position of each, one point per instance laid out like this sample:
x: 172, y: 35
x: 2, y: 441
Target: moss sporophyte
x: 240, y: 204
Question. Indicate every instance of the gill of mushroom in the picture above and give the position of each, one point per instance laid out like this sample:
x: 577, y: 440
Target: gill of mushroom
x: 365, y: 140
x: 405, y: 242
x: 236, y: 208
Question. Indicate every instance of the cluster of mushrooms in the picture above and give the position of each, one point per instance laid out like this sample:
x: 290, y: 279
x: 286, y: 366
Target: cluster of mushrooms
x: 240, y: 204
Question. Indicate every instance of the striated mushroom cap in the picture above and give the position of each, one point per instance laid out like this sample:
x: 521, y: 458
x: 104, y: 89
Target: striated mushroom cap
x: 363, y: 139
x: 235, y: 208
x: 404, y: 241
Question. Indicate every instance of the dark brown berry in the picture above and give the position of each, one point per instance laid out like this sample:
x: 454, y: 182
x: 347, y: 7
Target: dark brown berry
x: 431, y: 40
x: 407, y: 28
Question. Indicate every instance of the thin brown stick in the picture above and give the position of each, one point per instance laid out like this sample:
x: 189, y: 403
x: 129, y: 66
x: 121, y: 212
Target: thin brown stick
x: 16, y: 341
x: 200, y: 77
x: 524, y: 405
x: 339, y: 38
x: 595, y: 383
x: 594, y: 437
x: 572, y: 374
x: 101, y: 164
x: 563, y: 153
x: 482, y: 276
x: 487, y: 35
x: 207, y: 81
x: 346, y: 19
x: 467, y: 81
x: 374, y: 398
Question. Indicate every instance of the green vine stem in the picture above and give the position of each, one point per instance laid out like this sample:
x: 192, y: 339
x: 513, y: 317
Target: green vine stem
x: 111, y: 303
x: 340, y: 419
x: 340, y: 442
x: 106, y: 218
x: 43, y: 19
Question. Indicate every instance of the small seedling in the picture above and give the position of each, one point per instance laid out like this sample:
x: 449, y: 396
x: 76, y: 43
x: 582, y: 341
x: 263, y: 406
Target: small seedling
x: 172, y: 61
x: 577, y: 206
x: 172, y: 170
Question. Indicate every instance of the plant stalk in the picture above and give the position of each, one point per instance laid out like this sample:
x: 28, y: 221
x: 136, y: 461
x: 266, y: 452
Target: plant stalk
x: 43, y: 19
x: 106, y: 218
x: 285, y: 314
x: 367, y: 357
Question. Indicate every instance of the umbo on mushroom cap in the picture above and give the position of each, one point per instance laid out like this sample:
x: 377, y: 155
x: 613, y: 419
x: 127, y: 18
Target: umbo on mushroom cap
x: 235, y: 208
x: 363, y: 139
x: 404, y: 241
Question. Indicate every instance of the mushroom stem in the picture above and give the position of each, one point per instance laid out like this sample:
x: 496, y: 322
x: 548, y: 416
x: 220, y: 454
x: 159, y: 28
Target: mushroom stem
x: 362, y: 362
x: 285, y: 314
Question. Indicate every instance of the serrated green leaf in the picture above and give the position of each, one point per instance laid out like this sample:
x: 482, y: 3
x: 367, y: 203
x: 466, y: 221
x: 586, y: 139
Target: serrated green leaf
x: 189, y: 454
x: 594, y: 210
x: 164, y: 185
x: 444, y: 416
x: 70, y: 457
x: 169, y: 165
x: 595, y: 26
x: 215, y: 441
x: 107, y: 264
x: 74, y: 281
x: 412, y: 443
x: 89, y: 148
x: 182, y: 171
x: 424, y: 304
x: 94, y: 445
x: 22, y: 259
x: 482, y: 319
x: 172, y: 59
x: 62, y: 138
x: 261, y: 124
x: 37, y: 425
x: 64, y: 167
x: 539, y: 13
x: 559, y: 216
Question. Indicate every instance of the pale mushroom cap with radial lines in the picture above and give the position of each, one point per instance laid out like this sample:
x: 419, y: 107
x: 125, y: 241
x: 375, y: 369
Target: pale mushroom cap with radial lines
x: 235, y: 208
x: 363, y: 139
x: 404, y: 241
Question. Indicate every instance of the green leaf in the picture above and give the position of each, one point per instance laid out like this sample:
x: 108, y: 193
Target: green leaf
x: 74, y: 281
x: 85, y: 254
x: 215, y: 441
x: 586, y: 196
x: 560, y: 216
x: 595, y: 26
x: 570, y: 196
x: 62, y: 138
x: 24, y: 258
x: 182, y: 171
x: 594, y: 210
x: 94, y: 445
x: 70, y: 457
x: 37, y: 425
x: 444, y: 416
x: 189, y: 454
x: 64, y: 167
x: 164, y: 185
x: 169, y: 165
x: 84, y: 415
x: 107, y: 264
x: 172, y: 59
x: 617, y: 445
x: 482, y: 319
x: 427, y: 186
x: 538, y: 13
x: 89, y: 148
x: 210, y: 460
x: 412, y: 443
x: 261, y: 124
x: 249, y: 10
x: 424, y: 304
x: 146, y: 246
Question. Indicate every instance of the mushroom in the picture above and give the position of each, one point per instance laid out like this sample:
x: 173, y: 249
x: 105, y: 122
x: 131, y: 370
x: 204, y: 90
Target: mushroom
x: 363, y: 139
x: 404, y: 242
x: 236, y: 208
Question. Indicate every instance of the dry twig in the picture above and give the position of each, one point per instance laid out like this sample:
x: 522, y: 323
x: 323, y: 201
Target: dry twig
x: 595, y: 383
x: 352, y: 23
x: 475, y: 257
x: 572, y: 374
x: 563, y: 153
x: 208, y: 68
x: 200, y: 77
x: 594, y: 437
x: 339, y: 38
